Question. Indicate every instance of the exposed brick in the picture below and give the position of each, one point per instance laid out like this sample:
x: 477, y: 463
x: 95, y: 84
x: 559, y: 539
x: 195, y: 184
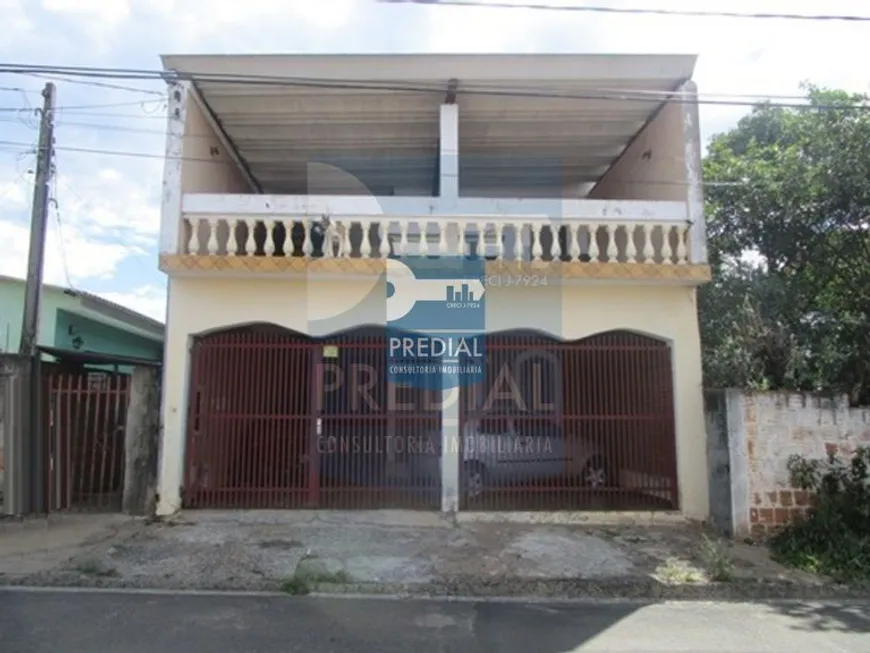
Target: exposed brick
x: 781, y: 516
x: 797, y: 513
x: 758, y: 531
x: 778, y: 425
x: 801, y: 498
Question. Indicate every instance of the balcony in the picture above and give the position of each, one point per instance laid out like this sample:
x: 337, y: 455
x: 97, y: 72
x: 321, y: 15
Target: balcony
x: 593, y: 239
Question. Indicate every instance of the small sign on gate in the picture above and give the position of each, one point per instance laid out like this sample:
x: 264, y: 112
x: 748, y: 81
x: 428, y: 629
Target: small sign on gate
x: 330, y: 351
x: 98, y: 381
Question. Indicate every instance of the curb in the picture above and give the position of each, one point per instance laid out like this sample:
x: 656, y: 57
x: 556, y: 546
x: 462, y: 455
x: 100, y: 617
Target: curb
x: 476, y: 588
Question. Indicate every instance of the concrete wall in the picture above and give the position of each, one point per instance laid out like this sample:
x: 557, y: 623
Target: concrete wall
x: 663, y: 163
x: 12, y: 311
x: 198, y: 305
x: 762, y: 431
x: 208, y: 166
x: 653, y: 167
x: 13, y: 378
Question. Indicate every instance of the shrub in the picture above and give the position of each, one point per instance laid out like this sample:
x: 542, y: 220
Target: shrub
x: 834, y: 538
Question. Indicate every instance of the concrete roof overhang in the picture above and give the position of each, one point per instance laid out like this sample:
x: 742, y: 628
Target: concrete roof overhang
x: 525, y: 120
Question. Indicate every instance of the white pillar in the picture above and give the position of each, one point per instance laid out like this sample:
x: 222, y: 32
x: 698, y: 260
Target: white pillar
x: 170, y: 212
x: 173, y: 414
x: 694, y: 173
x: 450, y: 445
x: 449, y: 152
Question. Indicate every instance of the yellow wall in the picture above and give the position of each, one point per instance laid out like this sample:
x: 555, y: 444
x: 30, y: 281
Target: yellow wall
x: 321, y: 306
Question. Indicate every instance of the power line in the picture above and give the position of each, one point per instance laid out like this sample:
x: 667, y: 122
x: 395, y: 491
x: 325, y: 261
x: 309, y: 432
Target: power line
x: 365, y: 84
x: 358, y: 84
x: 116, y: 87
x: 149, y: 155
x: 653, y: 96
x: 631, y: 11
x: 77, y: 108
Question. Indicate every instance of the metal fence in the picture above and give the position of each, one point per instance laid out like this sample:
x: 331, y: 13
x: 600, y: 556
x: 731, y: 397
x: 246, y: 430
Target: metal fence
x: 280, y: 420
x: 585, y: 425
x: 84, y: 431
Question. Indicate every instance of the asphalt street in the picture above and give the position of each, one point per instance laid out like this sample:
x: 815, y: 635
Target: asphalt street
x: 113, y: 622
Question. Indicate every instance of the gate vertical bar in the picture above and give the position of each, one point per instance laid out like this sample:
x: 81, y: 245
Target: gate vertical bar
x: 450, y: 443
x: 315, y: 401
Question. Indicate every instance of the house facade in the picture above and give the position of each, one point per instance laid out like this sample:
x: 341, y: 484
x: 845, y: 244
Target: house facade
x: 75, y: 323
x: 445, y: 282
x: 77, y: 320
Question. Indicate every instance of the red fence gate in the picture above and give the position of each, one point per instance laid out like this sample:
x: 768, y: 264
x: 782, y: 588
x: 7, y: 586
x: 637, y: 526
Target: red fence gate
x: 583, y: 425
x: 279, y: 420
x: 86, y: 412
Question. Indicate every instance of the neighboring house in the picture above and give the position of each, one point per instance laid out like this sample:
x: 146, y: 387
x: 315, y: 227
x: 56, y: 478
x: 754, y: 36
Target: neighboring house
x: 563, y: 195
x: 80, y: 321
x: 73, y: 324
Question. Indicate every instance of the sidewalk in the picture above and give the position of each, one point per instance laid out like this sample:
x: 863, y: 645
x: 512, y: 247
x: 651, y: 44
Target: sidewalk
x: 395, y: 553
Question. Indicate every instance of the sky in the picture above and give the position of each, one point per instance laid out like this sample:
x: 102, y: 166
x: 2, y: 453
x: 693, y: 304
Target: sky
x: 104, y: 219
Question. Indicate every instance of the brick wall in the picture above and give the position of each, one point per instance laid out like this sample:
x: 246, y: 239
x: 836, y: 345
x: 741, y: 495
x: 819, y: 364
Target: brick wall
x: 760, y: 431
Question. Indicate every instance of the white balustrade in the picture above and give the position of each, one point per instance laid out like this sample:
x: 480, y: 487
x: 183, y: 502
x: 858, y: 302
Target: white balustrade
x: 504, y: 238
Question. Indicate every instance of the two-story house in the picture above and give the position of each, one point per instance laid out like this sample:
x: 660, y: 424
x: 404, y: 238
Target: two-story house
x: 448, y: 282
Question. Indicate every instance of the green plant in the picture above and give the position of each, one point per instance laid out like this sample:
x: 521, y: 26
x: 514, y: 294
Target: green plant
x: 305, y: 580
x: 717, y: 559
x: 295, y: 586
x: 678, y: 572
x: 834, y: 538
x: 95, y: 568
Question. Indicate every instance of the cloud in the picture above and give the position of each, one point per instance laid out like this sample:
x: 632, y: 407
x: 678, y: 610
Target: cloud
x: 149, y: 300
x: 12, y: 194
x: 107, y: 201
x: 72, y: 253
x: 17, y: 27
x: 109, y: 205
x: 84, y: 240
x: 248, y: 26
x: 99, y: 19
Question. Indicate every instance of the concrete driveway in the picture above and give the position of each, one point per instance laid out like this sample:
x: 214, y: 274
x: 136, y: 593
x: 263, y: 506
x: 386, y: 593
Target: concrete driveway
x: 385, y: 552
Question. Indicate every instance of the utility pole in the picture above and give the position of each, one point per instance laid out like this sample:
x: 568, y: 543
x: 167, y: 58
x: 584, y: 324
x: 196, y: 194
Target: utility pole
x: 38, y: 225
x: 30, y: 463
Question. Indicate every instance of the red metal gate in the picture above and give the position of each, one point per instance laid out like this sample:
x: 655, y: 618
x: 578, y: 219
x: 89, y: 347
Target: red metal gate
x: 86, y: 419
x: 279, y: 420
x: 586, y: 425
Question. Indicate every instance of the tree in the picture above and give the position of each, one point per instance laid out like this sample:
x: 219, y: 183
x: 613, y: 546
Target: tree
x: 788, y: 199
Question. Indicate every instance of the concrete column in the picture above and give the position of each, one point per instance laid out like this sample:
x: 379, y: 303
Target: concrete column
x: 14, y: 447
x: 449, y: 152
x: 450, y: 445
x: 141, y: 442
x: 170, y: 212
x: 694, y: 173
x: 692, y: 469
x: 173, y: 413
